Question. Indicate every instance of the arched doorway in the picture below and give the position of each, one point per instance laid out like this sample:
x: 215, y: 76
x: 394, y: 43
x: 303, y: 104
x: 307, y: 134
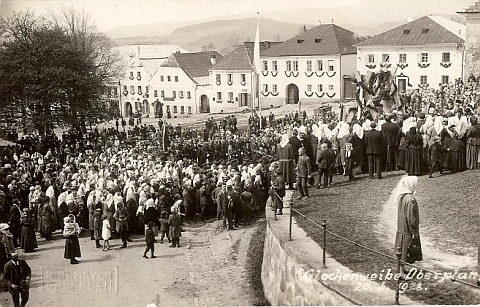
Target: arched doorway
x: 204, y: 104
x: 145, y: 107
x: 158, y: 109
x: 128, y: 109
x: 292, y: 94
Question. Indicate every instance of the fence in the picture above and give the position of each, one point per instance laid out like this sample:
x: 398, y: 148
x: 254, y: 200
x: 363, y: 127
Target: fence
x: 398, y: 254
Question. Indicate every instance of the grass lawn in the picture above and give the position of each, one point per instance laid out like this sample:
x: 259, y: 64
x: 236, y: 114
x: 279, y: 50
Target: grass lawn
x: 449, y: 215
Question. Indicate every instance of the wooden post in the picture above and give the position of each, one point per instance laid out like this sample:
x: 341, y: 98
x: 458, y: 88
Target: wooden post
x: 324, y: 226
x: 291, y: 220
x: 397, y: 292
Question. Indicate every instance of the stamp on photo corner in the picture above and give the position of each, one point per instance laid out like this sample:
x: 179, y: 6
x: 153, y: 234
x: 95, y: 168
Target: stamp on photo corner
x: 85, y: 281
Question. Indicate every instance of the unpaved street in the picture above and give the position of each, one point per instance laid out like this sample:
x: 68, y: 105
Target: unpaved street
x: 208, y: 269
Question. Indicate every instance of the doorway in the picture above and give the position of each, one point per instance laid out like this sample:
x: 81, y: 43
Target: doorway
x: 204, y: 104
x: 292, y: 94
x: 128, y: 109
x: 243, y: 99
x: 402, y: 85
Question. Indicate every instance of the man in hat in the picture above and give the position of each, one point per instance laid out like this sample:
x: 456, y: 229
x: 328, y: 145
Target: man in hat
x: 223, y: 202
x: 390, y: 131
x: 375, y: 150
x: 17, y: 275
x: 278, y: 187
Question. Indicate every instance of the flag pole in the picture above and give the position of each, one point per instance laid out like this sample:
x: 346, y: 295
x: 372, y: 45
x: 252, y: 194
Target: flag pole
x: 256, y: 54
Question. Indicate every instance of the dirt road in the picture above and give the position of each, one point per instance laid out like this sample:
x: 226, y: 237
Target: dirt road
x: 208, y: 269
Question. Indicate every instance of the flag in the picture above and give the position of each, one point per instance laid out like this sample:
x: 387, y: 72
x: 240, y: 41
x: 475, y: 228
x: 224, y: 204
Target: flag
x: 256, y: 49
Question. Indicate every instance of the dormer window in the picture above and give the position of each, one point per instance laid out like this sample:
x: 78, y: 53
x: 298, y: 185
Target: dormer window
x: 406, y: 31
x: 425, y: 30
x: 318, y: 40
x: 299, y: 41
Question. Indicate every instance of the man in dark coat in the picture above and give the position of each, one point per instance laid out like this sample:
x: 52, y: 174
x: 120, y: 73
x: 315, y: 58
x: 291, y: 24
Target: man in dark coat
x: 17, y: 275
x: 296, y: 144
x: 390, y: 132
x: 303, y: 173
x: 375, y: 149
x: 278, y: 186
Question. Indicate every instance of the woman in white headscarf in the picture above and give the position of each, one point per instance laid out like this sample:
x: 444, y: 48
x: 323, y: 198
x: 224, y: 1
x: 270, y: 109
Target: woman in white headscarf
x: 408, y: 221
x: 285, y: 160
x: 343, y: 135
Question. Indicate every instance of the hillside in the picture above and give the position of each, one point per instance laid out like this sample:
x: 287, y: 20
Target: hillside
x: 220, y: 33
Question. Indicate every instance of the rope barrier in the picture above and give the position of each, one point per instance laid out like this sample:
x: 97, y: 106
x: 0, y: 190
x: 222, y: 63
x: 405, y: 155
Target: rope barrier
x: 380, y: 253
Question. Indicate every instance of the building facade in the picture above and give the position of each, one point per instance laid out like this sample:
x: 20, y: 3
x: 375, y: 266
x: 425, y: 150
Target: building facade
x: 472, y: 41
x: 428, y: 51
x: 317, y: 65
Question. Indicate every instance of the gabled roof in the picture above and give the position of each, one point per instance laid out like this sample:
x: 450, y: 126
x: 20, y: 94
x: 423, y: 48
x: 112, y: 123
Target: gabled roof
x: 423, y: 31
x: 196, y: 64
x: 242, y: 57
x: 321, y: 40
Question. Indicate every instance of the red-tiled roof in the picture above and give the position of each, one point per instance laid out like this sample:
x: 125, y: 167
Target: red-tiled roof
x: 196, y: 64
x: 321, y: 40
x: 242, y: 57
x: 423, y: 31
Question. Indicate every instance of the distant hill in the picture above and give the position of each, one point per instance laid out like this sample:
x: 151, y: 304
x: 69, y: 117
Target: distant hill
x: 221, y: 33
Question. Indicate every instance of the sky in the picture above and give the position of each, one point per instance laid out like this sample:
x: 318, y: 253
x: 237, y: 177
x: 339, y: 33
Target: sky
x: 110, y: 14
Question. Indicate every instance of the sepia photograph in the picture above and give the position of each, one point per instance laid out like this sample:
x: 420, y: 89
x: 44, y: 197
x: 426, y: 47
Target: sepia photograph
x: 239, y: 153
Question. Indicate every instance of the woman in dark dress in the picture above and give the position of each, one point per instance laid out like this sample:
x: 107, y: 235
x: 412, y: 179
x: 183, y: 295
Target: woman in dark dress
x: 71, y: 232
x: 48, y: 219
x: 414, y: 153
x: 28, y: 241
x: 473, y: 144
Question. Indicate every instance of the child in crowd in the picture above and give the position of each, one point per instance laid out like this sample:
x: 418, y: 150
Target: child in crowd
x: 150, y: 240
x: 436, y: 153
x: 175, y: 226
x: 106, y: 233
x: 164, y: 227
x: 97, y: 226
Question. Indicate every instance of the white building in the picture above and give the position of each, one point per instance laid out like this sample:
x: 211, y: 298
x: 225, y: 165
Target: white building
x: 429, y: 50
x: 317, y: 65
x: 154, y: 84
x: 231, y: 79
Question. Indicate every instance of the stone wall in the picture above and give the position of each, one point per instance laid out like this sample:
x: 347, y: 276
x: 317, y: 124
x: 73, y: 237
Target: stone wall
x: 292, y: 272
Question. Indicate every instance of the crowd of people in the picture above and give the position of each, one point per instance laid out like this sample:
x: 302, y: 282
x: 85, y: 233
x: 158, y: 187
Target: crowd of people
x: 120, y: 181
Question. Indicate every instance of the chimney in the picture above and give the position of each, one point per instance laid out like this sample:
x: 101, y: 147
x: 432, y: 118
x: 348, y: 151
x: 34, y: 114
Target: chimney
x: 266, y: 44
x: 213, y: 59
x: 304, y: 28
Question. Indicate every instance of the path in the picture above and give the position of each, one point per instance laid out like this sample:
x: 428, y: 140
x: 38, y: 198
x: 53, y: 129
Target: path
x: 208, y: 269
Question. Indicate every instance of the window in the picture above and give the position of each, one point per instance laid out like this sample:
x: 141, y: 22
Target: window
x: 320, y: 65
x: 132, y: 89
x: 218, y: 78
x: 139, y: 89
x: 265, y: 65
x: 125, y: 88
x: 309, y: 87
x: 274, y: 65
x: 115, y: 91
x: 423, y: 79
x: 289, y: 65
x: 445, y: 57
x: 385, y: 58
x: 330, y: 87
x: 320, y: 88
x: 219, y: 97
x: 169, y: 79
x: 175, y: 109
x: 155, y: 93
x: 168, y: 107
x: 423, y: 57
x: 230, y: 78
x: 189, y: 110
x: 243, y: 78
x: 330, y: 65
x: 162, y: 93
x: 274, y: 88
x: 230, y: 96
x: 131, y: 75
x: 139, y: 75
x: 309, y: 65
x: 162, y: 78
x: 402, y: 58
x: 182, y: 109
x: 265, y: 88
x: 445, y: 79
x: 176, y: 78
x: 371, y: 59
x: 189, y: 96
x: 295, y: 65
x: 174, y: 94
x: 180, y: 94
